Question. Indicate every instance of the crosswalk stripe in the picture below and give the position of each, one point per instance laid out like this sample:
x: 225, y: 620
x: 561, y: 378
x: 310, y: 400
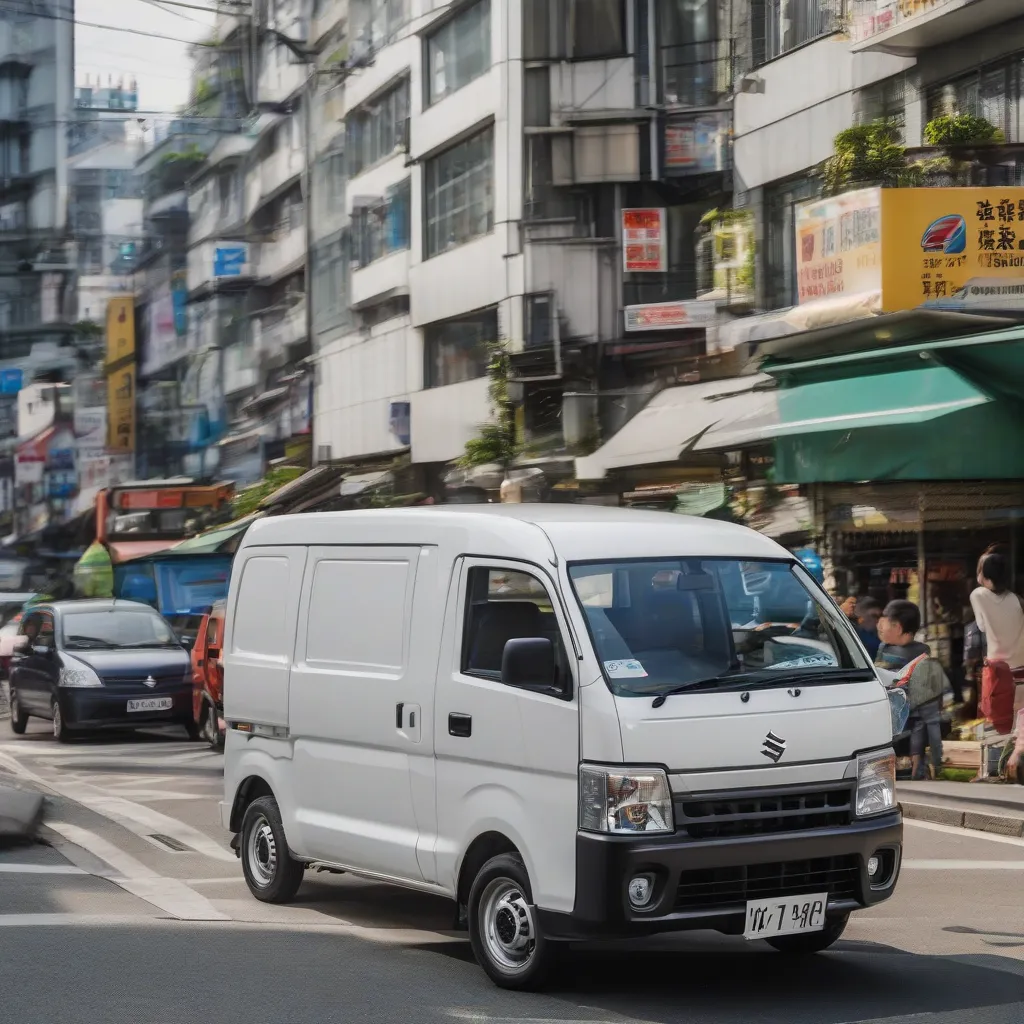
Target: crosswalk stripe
x: 40, y: 869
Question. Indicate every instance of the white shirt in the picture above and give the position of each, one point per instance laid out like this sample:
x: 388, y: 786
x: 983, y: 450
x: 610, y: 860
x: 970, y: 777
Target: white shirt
x: 1001, y: 618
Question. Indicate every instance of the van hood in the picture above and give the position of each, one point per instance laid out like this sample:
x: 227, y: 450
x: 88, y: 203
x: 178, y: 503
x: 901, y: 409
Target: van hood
x: 719, y: 731
x: 157, y: 662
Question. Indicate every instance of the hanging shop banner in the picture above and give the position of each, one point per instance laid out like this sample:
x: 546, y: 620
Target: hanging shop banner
x: 120, y: 372
x: 957, y: 249
x: 697, y: 146
x: 644, y: 243
x: 668, y: 316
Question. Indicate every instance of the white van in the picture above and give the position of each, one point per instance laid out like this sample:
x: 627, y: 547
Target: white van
x: 572, y: 721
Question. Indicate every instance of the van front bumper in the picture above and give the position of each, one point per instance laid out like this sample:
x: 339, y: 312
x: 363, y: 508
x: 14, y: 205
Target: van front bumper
x: 706, y: 884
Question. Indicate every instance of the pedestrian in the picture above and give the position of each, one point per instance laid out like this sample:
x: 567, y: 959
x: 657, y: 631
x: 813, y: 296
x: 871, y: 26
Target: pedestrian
x: 847, y: 606
x: 866, y: 614
x: 922, y: 676
x: 1000, y: 616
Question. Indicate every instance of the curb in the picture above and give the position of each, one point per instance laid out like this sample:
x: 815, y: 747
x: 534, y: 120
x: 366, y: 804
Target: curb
x: 978, y: 821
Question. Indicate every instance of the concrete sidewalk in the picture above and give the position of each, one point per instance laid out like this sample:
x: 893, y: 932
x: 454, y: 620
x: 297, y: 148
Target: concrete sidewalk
x: 984, y: 806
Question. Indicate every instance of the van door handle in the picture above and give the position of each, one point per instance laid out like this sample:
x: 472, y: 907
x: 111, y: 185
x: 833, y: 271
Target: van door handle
x: 399, y: 708
x: 460, y: 725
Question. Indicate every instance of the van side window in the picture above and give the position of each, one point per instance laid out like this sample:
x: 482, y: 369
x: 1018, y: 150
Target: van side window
x: 260, y: 622
x: 502, y: 605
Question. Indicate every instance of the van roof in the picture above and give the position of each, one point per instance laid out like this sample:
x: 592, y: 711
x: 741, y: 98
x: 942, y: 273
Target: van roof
x: 534, y: 531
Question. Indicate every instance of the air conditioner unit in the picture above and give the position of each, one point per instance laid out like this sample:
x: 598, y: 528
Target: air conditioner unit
x: 323, y: 453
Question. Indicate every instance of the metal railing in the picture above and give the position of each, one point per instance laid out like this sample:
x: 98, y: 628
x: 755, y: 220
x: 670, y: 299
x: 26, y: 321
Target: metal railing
x: 791, y: 23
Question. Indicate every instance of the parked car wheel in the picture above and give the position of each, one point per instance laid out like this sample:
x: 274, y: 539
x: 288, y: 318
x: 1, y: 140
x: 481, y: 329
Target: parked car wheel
x: 271, y: 872
x: 211, y: 728
x: 61, y: 732
x: 812, y: 942
x: 503, y: 926
x: 191, y: 728
x: 19, y: 717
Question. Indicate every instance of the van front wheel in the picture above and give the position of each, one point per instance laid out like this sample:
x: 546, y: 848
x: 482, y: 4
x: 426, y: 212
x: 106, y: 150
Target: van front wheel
x: 271, y: 872
x: 503, y: 927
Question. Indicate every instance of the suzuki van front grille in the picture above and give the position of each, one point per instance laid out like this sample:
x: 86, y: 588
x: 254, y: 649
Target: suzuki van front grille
x: 715, y: 888
x: 764, y: 811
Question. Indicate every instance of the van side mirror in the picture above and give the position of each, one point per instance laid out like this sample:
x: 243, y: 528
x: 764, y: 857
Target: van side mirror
x: 529, y: 664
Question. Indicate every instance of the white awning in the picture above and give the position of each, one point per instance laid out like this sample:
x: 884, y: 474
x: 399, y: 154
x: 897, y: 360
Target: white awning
x: 710, y: 416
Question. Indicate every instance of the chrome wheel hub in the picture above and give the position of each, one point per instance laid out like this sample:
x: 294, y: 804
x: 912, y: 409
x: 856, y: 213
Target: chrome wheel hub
x: 58, y: 725
x: 261, y: 852
x: 508, y: 928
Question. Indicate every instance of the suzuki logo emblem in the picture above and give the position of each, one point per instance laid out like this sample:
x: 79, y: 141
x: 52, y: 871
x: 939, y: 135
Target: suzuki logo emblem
x: 149, y: 681
x: 774, y: 747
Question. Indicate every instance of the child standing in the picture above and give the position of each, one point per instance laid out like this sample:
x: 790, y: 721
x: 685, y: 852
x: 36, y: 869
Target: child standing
x: 925, y: 678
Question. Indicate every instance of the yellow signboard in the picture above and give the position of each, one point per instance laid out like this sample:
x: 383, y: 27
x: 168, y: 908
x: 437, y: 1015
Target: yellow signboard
x: 120, y: 372
x: 938, y: 248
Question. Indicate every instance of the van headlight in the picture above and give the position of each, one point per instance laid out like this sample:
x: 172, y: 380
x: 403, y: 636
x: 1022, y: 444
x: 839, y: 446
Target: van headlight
x: 623, y: 800
x: 76, y: 674
x: 876, y: 783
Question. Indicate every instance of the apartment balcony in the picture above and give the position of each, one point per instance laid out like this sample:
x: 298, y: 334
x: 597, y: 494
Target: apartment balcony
x: 278, y: 330
x: 907, y: 27
x: 382, y: 279
x: 272, y: 176
x: 282, y: 254
x: 588, y: 89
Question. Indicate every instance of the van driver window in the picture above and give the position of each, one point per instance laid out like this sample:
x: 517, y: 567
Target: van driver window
x: 505, y: 605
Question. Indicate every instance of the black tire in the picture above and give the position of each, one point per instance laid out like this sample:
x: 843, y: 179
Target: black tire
x: 61, y: 732
x: 503, y: 927
x: 192, y: 729
x: 271, y: 872
x: 812, y: 942
x: 211, y: 729
x: 19, y: 716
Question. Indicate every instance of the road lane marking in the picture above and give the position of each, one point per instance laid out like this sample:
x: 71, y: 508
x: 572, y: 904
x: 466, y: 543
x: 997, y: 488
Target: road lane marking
x: 964, y: 833
x: 216, y: 881
x: 964, y: 865
x: 167, y: 894
x: 63, y: 920
x: 40, y: 869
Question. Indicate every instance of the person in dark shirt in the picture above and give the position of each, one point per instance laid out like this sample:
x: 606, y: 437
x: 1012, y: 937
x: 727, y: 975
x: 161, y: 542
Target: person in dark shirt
x: 897, y: 627
x: 865, y: 619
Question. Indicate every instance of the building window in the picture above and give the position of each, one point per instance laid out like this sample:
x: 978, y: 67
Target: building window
x: 377, y: 129
x: 574, y: 29
x: 457, y: 350
x: 331, y: 266
x: 884, y: 101
x: 383, y: 228
x: 374, y: 23
x: 791, y: 23
x: 460, y: 193
x: 994, y: 92
x: 459, y: 51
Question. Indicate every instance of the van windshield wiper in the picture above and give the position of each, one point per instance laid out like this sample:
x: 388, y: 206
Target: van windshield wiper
x: 90, y: 641
x: 766, y: 678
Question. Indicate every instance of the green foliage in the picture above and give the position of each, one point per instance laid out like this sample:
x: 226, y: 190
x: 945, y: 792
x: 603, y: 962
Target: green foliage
x: 191, y: 153
x: 203, y: 92
x: 248, y: 501
x: 746, y: 275
x: 870, y: 154
x: 962, y: 130
x: 88, y: 330
x: 496, y: 441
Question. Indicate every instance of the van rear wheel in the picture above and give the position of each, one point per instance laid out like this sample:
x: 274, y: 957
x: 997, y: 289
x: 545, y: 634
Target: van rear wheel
x: 503, y: 926
x: 271, y: 872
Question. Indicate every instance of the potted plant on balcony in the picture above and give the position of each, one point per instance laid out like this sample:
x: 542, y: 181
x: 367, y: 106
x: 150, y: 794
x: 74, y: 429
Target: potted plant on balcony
x: 969, y: 146
x: 866, y: 155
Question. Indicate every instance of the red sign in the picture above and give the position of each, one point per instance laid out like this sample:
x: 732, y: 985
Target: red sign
x: 644, y: 247
x: 141, y: 500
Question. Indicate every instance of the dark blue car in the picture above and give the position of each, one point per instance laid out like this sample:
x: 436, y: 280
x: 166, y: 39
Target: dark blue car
x: 99, y: 664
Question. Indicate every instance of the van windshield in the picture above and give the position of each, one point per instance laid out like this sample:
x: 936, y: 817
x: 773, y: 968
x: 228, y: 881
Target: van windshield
x: 706, y: 623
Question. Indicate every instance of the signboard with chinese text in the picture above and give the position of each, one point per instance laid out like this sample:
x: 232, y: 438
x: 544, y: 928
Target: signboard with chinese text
x: 666, y: 316
x: 953, y: 248
x: 697, y: 146
x: 120, y: 372
x: 839, y: 245
x: 644, y: 245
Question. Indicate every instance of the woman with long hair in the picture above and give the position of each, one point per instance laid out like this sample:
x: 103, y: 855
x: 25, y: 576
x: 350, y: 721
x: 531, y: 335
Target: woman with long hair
x: 1000, y: 616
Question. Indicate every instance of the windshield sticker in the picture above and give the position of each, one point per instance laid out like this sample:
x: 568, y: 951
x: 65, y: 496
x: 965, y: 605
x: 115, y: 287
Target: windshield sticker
x: 630, y: 669
x: 811, y: 661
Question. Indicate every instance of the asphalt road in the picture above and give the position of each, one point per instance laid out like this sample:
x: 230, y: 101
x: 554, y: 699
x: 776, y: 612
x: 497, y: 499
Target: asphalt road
x: 134, y: 912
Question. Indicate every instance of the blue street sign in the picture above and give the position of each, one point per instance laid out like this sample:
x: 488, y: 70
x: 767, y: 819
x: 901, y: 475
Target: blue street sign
x: 229, y: 260
x: 10, y: 381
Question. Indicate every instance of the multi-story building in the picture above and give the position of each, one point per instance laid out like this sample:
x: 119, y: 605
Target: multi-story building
x: 493, y: 152
x: 104, y: 194
x: 36, y: 102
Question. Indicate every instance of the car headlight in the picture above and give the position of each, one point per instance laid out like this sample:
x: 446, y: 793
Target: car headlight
x: 75, y: 674
x: 876, y: 783
x: 622, y: 800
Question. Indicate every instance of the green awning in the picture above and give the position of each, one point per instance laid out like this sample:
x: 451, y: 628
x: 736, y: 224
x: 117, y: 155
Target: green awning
x: 878, y: 400
x: 214, y: 540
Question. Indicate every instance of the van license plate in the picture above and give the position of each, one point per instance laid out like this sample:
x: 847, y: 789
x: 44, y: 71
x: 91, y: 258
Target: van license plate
x: 788, y: 915
x: 151, y: 704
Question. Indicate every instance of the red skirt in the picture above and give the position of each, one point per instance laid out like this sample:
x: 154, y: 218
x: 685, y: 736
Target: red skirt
x: 998, y: 688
